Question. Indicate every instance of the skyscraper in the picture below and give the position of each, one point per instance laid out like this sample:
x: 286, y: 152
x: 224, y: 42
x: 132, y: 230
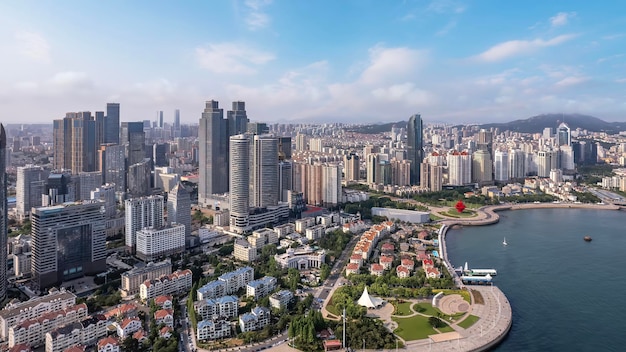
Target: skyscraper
x: 564, y: 135
x: 112, y: 164
x: 3, y: 214
x: 482, y: 167
x: 139, y: 180
x: 415, y: 147
x: 213, y: 152
x: 177, y: 120
x: 351, y: 167
x: 459, y: 168
x: 112, y: 124
x: 179, y: 207
x: 68, y: 241
x: 160, y: 116
x: 240, y: 181
x: 237, y: 119
x: 75, y: 139
x: 264, y: 171
x: 30, y: 185
x: 285, y: 179
x: 501, y: 165
x: 140, y: 213
x: 133, y: 136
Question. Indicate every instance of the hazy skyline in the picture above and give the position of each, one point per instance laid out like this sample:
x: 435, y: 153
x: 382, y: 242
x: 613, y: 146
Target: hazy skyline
x: 314, y: 61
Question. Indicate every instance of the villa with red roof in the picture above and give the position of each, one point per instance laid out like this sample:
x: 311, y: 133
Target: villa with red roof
x: 377, y: 269
x: 352, y: 268
x: 427, y: 263
x: 388, y: 248
x: 432, y: 273
x: 164, y: 301
x: 127, y: 327
x: 108, y: 344
x: 402, y: 272
x: 408, y: 263
x: 164, y: 316
x: 166, y: 332
x: 386, y: 261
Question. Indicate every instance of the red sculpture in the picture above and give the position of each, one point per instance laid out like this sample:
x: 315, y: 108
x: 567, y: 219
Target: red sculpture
x: 460, y: 206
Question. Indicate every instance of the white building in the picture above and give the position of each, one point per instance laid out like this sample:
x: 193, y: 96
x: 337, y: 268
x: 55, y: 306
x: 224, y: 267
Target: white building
x: 213, y: 329
x: 86, y: 333
x: 501, y: 165
x: 176, y: 283
x: 281, y: 299
x: 140, y: 213
x: 301, y: 258
x: 261, y: 287
x: 179, y: 207
x: 30, y: 185
x: 132, y: 279
x: 127, y: 327
x: 154, y: 243
x: 227, y: 284
x: 108, y: 344
x: 459, y: 168
x: 244, y: 251
x: 210, y: 309
x: 255, y: 320
x: 315, y: 232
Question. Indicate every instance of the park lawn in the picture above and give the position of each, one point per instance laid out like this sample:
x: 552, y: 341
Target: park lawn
x: 469, y: 321
x: 425, y: 308
x: 330, y: 307
x: 413, y: 328
x: 446, y: 328
x: 403, y: 309
x: 434, y: 217
x: 465, y: 214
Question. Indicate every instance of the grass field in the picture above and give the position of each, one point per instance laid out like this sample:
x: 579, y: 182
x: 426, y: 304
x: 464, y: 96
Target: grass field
x: 425, y: 308
x: 413, y: 328
x: 464, y: 293
x: 465, y: 214
x: 403, y: 309
x: 469, y: 321
x: 446, y: 328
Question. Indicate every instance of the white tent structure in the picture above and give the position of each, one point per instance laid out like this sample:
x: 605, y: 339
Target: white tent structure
x: 368, y: 301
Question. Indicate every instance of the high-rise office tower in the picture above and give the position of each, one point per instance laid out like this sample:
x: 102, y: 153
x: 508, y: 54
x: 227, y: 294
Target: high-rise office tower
x: 547, y: 160
x: 501, y: 165
x: 264, y: 171
x: 112, y: 124
x: 517, y: 164
x: 139, y: 180
x: 160, y: 119
x: 240, y: 180
x: 383, y: 172
x: 400, y: 172
x: 459, y: 168
x: 30, y: 185
x: 351, y: 167
x: 482, y: 167
x: 74, y: 139
x: 133, y: 136
x: 112, y: 164
x: 142, y: 212
x: 237, y: 119
x: 159, y: 154
x: 284, y: 148
x: 213, y: 153
x: 258, y: 128
x: 87, y: 182
x: 68, y: 241
x: 415, y: 147
x: 564, y: 135
x: 179, y: 207
x: 371, y: 167
x: 177, y: 120
x: 285, y: 179
x: 106, y: 193
x: 567, y: 157
x: 60, y: 189
x: 100, y: 130
x: 432, y: 176
x: 3, y: 214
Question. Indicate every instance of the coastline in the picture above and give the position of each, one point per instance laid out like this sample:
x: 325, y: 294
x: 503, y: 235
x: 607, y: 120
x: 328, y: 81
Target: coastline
x: 497, y: 310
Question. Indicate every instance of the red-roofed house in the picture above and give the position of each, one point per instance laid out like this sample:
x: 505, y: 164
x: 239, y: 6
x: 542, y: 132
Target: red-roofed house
x: 352, y: 268
x: 164, y: 316
x: 108, y: 344
x: 427, y: 263
x: 166, y: 332
x: 377, y: 269
x: 423, y: 235
x: 386, y: 261
x: 127, y: 327
x: 20, y: 348
x: 140, y: 336
x: 77, y: 348
x: 356, y: 258
x: 408, y: 263
x: 402, y: 272
x: 164, y: 301
x: 388, y: 248
x: 124, y: 310
x: 432, y: 273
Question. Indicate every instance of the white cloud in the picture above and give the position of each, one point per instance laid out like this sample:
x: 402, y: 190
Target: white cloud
x: 571, y: 81
x: 33, y: 46
x: 447, y: 28
x: 561, y: 18
x: 231, y: 58
x: 256, y: 18
x: 392, y: 64
x: 512, y: 48
x: 621, y: 80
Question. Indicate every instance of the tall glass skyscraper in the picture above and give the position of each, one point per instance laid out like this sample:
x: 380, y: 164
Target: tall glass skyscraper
x: 112, y: 124
x: 213, y: 153
x: 415, y: 146
x: 3, y: 214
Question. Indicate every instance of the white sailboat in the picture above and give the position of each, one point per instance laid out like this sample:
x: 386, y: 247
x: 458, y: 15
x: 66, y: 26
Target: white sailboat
x: 504, y: 242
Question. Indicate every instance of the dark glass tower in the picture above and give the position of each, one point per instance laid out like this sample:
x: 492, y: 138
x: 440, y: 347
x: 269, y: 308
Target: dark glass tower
x: 112, y: 124
x: 3, y: 214
x: 415, y: 146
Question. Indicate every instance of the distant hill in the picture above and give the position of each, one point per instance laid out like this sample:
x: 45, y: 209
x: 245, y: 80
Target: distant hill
x: 536, y: 124
x: 377, y: 128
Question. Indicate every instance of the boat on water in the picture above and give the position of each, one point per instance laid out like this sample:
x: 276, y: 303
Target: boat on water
x: 504, y: 242
x: 587, y: 238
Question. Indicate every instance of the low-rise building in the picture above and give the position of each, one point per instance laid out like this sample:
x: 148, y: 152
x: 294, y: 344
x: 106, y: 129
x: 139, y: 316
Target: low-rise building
x: 244, y: 251
x: 164, y: 316
x: 213, y: 329
x: 164, y: 301
x: 132, y: 279
x: 377, y: 269
x: 33, y: 331
x: 212, y: 308
x: 178, y: 282
x: 154, y: 243
x: 386, y: 261
x: 281, y: 299
x: 127, y: 327
x: 402, y: 272
x: 108, y: 344
x: 227, y: 284
x: 301, y: 258
x: 255, y: 320
x: 352, y: 268
x: 84, y: 333
x: 261, y: 287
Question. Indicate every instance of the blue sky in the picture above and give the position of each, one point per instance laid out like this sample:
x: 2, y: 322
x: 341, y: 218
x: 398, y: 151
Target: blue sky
x: 314, y: 61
